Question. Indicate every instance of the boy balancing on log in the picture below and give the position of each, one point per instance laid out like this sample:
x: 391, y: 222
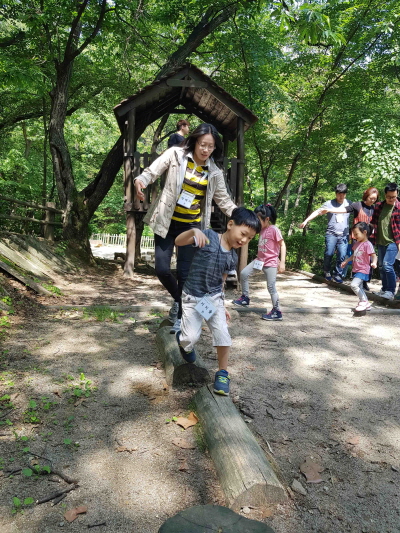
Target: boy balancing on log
x: 203, y: 296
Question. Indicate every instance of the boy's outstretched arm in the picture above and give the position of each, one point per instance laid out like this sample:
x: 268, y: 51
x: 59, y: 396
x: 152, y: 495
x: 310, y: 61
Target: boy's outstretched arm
x: 192, y: 236
x: 282, y: 262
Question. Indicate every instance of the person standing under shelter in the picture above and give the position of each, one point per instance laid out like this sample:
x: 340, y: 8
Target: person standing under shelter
x: 337, y: 232
x: 182, y: 129
x: 193, y: 179
x: 386, y: 223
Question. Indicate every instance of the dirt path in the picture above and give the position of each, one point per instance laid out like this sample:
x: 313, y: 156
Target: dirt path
x: 321, y: 386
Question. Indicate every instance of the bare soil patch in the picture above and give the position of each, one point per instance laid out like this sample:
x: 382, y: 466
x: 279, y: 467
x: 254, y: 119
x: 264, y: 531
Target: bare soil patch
x: 91, y: 398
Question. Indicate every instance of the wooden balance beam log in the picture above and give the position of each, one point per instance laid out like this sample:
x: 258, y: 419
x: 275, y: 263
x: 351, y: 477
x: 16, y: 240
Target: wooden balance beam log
x: 246, y: 476
x: 177, y: 371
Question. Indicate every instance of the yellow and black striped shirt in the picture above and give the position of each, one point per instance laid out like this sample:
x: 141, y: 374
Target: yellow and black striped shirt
x: 195, y: 182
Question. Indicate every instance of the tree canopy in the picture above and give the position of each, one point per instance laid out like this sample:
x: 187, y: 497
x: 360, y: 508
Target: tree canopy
x: 323, y: 78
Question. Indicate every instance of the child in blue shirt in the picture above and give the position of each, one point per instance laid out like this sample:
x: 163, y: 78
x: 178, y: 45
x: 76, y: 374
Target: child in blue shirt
x: 203, y: 289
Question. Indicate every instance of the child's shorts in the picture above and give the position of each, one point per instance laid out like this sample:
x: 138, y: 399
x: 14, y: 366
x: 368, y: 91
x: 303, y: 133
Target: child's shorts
x: 192, y: 322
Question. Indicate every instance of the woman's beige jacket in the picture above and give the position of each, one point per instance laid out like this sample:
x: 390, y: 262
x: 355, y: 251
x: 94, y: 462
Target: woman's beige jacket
x: 174, y: 162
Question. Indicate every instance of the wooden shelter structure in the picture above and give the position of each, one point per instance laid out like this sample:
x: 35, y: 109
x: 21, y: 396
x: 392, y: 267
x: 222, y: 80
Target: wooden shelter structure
x: 185, y: 90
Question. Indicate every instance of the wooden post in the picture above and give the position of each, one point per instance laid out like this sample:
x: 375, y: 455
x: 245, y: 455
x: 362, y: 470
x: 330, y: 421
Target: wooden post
x: 226, y: 144
x: 49, y: 227
x: 244, y: 251
x: 129, y: 144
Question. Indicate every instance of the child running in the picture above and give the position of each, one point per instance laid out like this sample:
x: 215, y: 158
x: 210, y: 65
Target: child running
x: 270, y: 246
x: 203, y: 296
x: 363, y: 252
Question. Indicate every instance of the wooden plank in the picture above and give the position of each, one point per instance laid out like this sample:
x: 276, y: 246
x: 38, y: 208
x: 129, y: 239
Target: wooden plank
x: 177, y: 371
x: 29, y: 219
x: 36, y: 268
x: 174, y: 82
x: 29, y: 204
x: 39, y: 249
x: 246, y: 476
x: 234, y: 106
x: 25, y: 280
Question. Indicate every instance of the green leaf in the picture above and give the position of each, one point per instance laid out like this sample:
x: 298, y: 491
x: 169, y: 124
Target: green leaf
x: 67, y: 441
x: 28, y: 501
x: 16, y: 502
x: 32, y: 404
x: 46, y: 469
x: 27, y: 472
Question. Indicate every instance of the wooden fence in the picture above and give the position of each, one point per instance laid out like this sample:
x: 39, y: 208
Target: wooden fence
x: 8, y: 209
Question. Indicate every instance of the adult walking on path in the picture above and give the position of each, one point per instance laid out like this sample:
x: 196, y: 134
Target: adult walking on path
x: 362, y: 212
x: 182, y: 129
x: 337, y: 232
x: 386, y: 223
x: 194, y: 178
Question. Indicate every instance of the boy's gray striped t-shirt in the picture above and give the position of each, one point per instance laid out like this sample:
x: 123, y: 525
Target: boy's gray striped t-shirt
x: 208, y: 265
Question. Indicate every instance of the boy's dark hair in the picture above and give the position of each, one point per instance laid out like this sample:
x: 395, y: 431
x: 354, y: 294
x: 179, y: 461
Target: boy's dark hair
x: 245, y: 217
x: 266, y: 211
x: 363, y: 226
x: 181, y: 123
x: 203, y: 129
x: 390, y: 187
x: 341, y: 187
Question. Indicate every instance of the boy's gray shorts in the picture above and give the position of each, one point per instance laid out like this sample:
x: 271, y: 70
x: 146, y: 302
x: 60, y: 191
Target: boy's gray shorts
x: 192, y: 322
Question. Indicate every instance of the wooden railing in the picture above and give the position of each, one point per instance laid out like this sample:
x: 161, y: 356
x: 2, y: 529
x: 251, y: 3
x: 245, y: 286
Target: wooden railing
x: 49, y: 222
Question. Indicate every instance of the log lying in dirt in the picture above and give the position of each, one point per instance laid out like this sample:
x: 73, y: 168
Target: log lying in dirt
x: 177, y: 371
x: 245, y: 474
x: 211, y: 518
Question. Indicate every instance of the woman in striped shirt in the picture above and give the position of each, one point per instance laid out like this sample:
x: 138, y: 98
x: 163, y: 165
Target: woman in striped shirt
x: 193, y: 180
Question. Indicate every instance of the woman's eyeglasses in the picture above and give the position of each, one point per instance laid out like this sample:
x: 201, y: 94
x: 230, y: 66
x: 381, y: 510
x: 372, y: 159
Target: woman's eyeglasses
x: 208, y: 147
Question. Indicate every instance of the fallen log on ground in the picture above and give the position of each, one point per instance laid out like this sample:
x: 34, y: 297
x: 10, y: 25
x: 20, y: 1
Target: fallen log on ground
x: 177, y: 371
x: 246, y: 476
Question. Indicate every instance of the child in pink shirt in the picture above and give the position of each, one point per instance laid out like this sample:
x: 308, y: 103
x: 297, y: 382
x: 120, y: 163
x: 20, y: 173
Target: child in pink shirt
x: 363, y: 252
x: 270, y: 246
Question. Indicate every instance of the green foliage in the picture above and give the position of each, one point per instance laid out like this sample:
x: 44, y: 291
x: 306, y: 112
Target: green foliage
x: 102, y: 313
x: 53, y: 289
x: 321, y: 76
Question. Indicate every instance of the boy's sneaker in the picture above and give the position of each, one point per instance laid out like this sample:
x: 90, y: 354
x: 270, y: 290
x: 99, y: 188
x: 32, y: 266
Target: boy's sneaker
x: 176, y: 327
x: 338, y: 278
x: 274, y: 314
x: 397, y: 295
x: 328, y: 276
x: 363, y: 306
x: 189, y: 357
x: 243, y: 300
x: 173, y: 312
x: 221, y: 383
x: 388, y: 295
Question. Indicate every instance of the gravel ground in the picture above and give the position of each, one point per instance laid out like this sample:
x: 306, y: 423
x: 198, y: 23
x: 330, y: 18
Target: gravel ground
x: 312, y: 386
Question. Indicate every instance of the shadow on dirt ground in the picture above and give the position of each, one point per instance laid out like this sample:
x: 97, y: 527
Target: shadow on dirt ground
x: 87, y: 397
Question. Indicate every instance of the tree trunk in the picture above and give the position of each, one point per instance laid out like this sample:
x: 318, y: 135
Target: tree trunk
x: 296, y: 204
x: 98, y: 188
x: 76, y: 216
